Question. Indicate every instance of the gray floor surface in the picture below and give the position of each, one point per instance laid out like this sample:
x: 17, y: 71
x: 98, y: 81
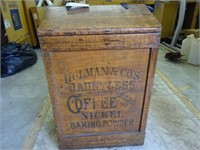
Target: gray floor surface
x: 185, y: 77
x: 171, y: 125
x: 21, y: 98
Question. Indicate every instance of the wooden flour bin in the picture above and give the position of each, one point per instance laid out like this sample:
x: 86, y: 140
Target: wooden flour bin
x: 100, y: 67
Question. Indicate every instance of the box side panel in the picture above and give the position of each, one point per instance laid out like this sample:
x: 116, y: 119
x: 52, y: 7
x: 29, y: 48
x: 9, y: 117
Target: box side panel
x: 97, y: 92
x: 15, y: 21
x: 100, y: 91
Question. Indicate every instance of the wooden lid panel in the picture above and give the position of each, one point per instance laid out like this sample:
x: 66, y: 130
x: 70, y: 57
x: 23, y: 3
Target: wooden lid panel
x: 99, y: 20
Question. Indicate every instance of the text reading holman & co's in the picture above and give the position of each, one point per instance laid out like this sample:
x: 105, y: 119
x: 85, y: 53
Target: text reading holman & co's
x: 99, y: 109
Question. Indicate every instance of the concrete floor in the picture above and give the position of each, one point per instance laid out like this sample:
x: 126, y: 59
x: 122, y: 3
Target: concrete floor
x: 185, y: 77
x: 173, y: 122
x: 21, y: 98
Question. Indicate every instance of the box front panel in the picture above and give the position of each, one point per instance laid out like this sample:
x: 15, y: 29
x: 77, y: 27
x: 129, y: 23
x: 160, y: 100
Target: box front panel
x: 99, y: 91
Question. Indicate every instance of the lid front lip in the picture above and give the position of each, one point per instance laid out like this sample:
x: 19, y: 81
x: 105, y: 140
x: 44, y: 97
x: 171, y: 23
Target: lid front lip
x: 42, y: 33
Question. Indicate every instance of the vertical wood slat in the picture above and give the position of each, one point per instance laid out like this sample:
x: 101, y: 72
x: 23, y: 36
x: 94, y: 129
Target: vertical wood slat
x: 51, y: 87
x: 149, y: 87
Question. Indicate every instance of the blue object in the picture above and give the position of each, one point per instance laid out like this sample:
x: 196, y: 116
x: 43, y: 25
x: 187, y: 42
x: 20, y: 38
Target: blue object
x: 16, y: 19
x: 150, y: 8
x: 16, y: 57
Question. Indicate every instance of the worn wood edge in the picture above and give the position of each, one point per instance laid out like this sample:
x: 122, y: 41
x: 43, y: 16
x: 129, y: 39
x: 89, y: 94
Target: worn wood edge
x: 137, y: 139
x: 99, y: 32
x: 101, y: 134
x: 51, y: 87
x: 93, y: 49
x: 33, y: 132
x: 149, y: 86
x: 178, y: 93
x: 105, y: 42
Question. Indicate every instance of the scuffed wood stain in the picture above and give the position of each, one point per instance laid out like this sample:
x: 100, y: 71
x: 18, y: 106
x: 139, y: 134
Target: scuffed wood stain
x: 100, y: 82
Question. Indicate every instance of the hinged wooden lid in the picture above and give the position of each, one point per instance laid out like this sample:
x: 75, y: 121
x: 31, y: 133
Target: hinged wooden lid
x: 99, y: 20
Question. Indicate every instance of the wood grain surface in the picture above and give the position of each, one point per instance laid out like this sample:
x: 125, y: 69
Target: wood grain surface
x: 102, y: 42
x: 100, y: 74
x: 112, y: 88
x: 99, y: 20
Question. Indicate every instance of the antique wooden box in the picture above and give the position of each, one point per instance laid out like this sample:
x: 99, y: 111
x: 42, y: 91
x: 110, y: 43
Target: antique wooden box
x: 100, y: 67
